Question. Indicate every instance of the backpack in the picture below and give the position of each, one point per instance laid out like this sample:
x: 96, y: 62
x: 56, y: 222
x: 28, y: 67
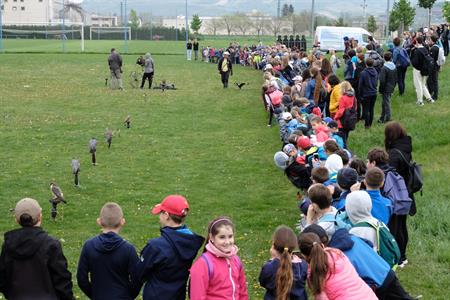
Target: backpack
x: 428, y: 64
x: 377, y: 60
x: 441, y: 56
x: 415, y: 182
x: 403, y: 58
x: 395, y: 189
x: 210, y: 265
x: 340, y: 220
x: 387, y: 245
x: 350, y: 117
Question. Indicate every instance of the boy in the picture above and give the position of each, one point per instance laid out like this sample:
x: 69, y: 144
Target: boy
x: 107, y: 260
x: 165, y: 261
x: 346, y: 177
x: 320, y: 211
x: 367, y: 88
x: 32, y: 264
x: 381, y: 206
x: 388, y: 80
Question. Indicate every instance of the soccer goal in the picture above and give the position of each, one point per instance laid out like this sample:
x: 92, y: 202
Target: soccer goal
x: 45, y: 31
x: 109, y: 33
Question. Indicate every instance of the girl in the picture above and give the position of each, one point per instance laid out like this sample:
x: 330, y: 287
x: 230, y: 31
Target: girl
x: 331, y: 275
x: 284, y: 275
x: 218, y: 273
x: 346, y: 101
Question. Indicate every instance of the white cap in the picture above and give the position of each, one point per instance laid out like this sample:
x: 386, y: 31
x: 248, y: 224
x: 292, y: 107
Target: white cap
x: 226, y: 53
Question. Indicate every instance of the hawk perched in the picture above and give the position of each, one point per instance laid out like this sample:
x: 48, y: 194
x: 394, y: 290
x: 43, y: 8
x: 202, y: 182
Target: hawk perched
x: 57, y: 197
x: 93, y: 150
x: 75, y: 170
x: 127, y: 121
x: 108, y: 136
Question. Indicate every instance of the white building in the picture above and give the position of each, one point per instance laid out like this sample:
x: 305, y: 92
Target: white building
x: 27, y: 11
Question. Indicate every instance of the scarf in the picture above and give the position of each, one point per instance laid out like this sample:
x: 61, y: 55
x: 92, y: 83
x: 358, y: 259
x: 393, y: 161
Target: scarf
x: 219, y: 253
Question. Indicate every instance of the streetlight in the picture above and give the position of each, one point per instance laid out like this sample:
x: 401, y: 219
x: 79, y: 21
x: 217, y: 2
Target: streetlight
x: 125, y: 33
x: 187, y: 28
x: 312, y: 22
x: 1, y: 27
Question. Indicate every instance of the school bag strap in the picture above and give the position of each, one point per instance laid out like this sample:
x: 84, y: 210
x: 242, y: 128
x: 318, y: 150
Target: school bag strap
x: 206, y: 257
x: 415, y: 182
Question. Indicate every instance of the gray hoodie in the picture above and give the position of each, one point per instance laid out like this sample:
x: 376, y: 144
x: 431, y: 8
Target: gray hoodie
x: 148, y: 67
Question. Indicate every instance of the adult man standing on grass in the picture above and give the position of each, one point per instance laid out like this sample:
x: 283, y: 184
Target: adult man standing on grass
x: 115, y: 66
x: 225, y: 68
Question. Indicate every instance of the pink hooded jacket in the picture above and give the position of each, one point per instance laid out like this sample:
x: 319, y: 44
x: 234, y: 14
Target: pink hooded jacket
x: 223, y: 279
x: 344, y: 283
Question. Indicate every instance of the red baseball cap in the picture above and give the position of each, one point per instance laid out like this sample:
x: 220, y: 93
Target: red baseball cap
x: 303, y: 142
x: 173, y: 204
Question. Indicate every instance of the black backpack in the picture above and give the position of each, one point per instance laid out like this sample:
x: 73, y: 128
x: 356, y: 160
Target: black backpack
x: 428, y: 63
x: 415, y: 182
x: 350, y: 117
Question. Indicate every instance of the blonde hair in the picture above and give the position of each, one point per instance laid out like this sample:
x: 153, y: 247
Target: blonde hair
x: 346, y: 87
x: 111, y: 215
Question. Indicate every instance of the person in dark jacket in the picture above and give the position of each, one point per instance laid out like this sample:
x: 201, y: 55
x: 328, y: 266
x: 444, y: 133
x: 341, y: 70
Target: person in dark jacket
x: 107, y: 260
x: 225, y: 68
x: 195, y: 45
x: 399, y: 147
x: 32, y: 264
x: 400, y: 64
x: 115, y: 67
x: 165, y: 261
x: 433, y: 78
x: 388, y: 80
x: 368, y: 91
x: 420, y: 71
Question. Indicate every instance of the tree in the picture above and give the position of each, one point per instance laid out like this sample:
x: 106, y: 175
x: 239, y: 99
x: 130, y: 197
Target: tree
x: 446, y: 11
x: 196, y: 23
x: 213, y: 25
x: 75, y: 7
x: 371, y: 24
x: 274, y: 25
x: 228, y: 22
x: 402, y: 15
x: 427, y: 4
x: 285, y: 10
x: 134, y: 20
x: 340, y: 22
x: 259, y: 22
x: 242, y: 23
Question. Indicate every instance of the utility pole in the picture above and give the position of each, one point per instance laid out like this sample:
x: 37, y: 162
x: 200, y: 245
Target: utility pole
x: 63, y: 25
x: 125, y: 34
x: 387, y: 18
x: 364, y: 6
x: 1, y: 28
x: 312, y: 21
x: 278, y: 9
x: 187, y: 28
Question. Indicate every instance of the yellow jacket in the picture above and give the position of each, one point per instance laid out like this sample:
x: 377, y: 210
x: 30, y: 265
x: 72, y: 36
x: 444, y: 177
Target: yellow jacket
x: 334, y: 98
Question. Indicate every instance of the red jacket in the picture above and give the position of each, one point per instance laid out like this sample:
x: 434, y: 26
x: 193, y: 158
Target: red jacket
x: 345, y: 102
x: 218, y: 279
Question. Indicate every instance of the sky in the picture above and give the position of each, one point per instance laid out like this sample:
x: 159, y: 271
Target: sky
x: 221, y: 7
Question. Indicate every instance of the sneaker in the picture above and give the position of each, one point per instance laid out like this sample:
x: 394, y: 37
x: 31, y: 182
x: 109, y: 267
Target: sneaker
x: 430, y: 100
x: 420, y: 103
x: 380, y: 121
x: 269, y: 125
x: 403, y: 264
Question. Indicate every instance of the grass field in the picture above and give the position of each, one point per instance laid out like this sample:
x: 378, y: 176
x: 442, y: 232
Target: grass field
x: 209, y: 144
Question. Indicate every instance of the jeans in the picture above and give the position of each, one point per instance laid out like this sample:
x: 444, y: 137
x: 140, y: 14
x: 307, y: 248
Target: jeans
x: 368, y: 105
x: 433, y: 84
x: 189, y: 54
x: 224, y: 77
x: 420, y: 85
x: 196, y: 54
x: 401, y: 73
x: 116, y: 79
x: 386, y: 107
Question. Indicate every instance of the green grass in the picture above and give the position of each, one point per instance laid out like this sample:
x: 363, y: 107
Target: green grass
x: 209, y: 144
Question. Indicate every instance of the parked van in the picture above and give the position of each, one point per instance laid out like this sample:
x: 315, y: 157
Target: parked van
x: 331, y: 37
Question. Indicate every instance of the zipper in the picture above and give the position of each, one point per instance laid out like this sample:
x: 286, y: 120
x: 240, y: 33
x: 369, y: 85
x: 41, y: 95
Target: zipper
x: 231, y: 279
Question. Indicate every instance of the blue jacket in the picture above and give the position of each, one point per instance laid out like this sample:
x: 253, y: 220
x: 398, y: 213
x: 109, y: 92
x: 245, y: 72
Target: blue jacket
x: 104, y: 268
x: 368, y: 82
x: 339, y: 203
x: 381, y: 206
x: 268, y: 274
x: 368, y: 264
x: 165, y: 263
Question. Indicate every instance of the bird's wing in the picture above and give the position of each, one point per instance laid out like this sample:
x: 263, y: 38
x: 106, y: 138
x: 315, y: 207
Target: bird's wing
x: 57, y: 191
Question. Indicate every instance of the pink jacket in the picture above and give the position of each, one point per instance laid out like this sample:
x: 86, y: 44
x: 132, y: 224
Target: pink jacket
x: 345, y: 102
x: 344, y: 283
x: 218, y: 279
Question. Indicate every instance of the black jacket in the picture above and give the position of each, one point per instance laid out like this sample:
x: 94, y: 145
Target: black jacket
x: 298, y: 175
x: 368, y: 82
x: 395, y: 159
x: 105, y: 267
x: 388, y: 78
x: 418, y: 59
x: 230, y: 66
x: 33, y: 267
x: 434, y: 52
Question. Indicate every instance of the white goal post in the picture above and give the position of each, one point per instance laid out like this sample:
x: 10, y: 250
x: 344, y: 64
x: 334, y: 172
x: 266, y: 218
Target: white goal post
x: 100, y: 30
x: 75, y: 27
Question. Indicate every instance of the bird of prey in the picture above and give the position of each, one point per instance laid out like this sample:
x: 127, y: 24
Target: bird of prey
x: 76, y: 170
x: 106, y: 81
x: 57, y: 197
x: 127, y: 121
x: 240, y: 85
x: 93, y: 150
x: 108, y: 136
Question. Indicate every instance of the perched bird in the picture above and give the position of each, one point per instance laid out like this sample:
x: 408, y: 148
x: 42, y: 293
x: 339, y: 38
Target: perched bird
x: 106, y: 81
x: 76, y: 170
x: 93, y: 150
x: 57, y: 197
x: 108, y: 136
x: 240, y: 85
x: 127, y: 121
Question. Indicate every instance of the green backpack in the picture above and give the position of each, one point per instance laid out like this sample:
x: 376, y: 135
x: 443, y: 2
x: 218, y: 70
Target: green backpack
x: 387, y: 245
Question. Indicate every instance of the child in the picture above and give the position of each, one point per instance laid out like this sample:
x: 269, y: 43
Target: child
x: 346, y: 177
x: 284, y: 275
x: 106, y: 261
x: 286, y: 98
x: 347, y: 101
x: 388, y: 80
x: 165, y: 261
x: 320, y: 130
x: 218, y: 273
x: 368, y: 90
x: 381, y: 206
x: 334, y: 134
x: 331, y: 275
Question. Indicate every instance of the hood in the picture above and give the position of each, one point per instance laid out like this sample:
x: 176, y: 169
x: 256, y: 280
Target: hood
x: 107, y: 242
x: 24, y: 242
x: 147, y: 55
x: 349, y: 93
x: 403, y: 144
x: 372, y: 71
x: 390, y: 65
x: 185, y: 244
x: 358, y: 206
x: 333, y: 163
x: 341, y: 240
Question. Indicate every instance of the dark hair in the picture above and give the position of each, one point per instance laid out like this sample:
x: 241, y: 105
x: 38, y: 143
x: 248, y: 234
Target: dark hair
x: 378, y: 155
x: 284, y: 242
x: 26, y: 220
x: 113, y: 49
x: 343, y: 154
x: 306, y: 74
x: 419, y: 40
x: 393, y: 131
x: 333, y: 80
x: 320, y: 174
x: 331, y: 146
x: 359, y: 165
x: 214, y: 225
x: 387, y: 56
x: 374, y: 178
x: 369, y: 62
x: 177, y: 219
x: 434, y: 38
x: 310, y: 246
x: 320, y: 195
x: 351, y: 53
x: 315, y: 74
x: 396, y: 41
x: 326, y: 67
x: 369, y: 47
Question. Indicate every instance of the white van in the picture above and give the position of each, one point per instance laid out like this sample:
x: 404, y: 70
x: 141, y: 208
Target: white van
x: 331, y: 37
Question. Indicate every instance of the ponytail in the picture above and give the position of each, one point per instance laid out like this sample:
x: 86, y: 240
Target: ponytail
x: 318, y: 78
x: 284, y: 277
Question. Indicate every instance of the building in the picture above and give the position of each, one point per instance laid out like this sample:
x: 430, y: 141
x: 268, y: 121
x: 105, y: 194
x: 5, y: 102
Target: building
x: 28, y: 11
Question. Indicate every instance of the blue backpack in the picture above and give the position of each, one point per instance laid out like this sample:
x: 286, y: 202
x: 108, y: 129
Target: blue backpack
x: 395, y: 189
x: 340, y: 220
x: 403, y: 58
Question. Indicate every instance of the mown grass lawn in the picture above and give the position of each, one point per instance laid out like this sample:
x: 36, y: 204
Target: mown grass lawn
x: 209, y: 144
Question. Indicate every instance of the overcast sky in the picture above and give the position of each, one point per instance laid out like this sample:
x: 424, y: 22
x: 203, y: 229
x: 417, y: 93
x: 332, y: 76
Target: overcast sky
x: 220, y: 7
